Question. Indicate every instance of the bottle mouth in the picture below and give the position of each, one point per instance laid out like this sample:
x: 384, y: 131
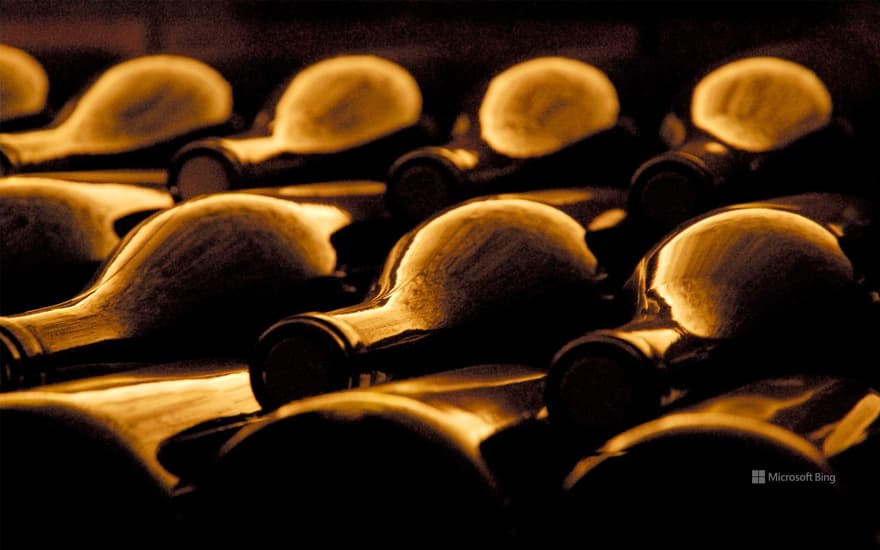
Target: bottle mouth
x: 296, y: 358
x: 421, y: 184
x: 201, y: 171
x: 601, y: 385
x: 669, y: 190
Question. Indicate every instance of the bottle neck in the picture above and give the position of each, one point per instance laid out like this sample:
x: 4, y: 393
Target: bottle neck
x: 652, y: 338
x: 611, y: 379
x: 36, y: 341
x: 30, y: 149
x: 679, y: 184
x: 69, y: 148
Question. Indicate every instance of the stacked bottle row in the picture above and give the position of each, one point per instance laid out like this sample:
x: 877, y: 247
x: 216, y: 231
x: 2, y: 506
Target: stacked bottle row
x: 415, y: 324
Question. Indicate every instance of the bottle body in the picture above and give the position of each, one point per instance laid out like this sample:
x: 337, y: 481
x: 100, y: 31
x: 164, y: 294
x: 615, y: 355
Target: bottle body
x: 487, y: 281
x: 102, y: 437
x: 433, y: 447
x: 739, y: 293
x: 202, y: 277
x: 135, y: 115
x: 548, y: 122
x: 777, y: 120
x: 346, y: 117
x: 57, y: 233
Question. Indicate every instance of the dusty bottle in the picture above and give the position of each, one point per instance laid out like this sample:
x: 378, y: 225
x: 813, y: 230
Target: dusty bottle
x: 740, y: 293
x: 135, y: 115
x: 202, y: 278
x: 447, y: 453
x: 782, y: 119
x: 547, y: 122
x: 56, y: 234
x: 24, y: 90
x: 788, y: 461
x: 346, y: 117
x: 483, y: 282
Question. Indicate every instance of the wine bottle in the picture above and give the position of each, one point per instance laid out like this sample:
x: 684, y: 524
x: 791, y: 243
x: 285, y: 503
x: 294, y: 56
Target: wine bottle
x: 203, y: 278
x: 742, y: 292
x: 487, y: 281
x: 363, y: 247
x: 24, y: 91
x: 55, y: 235
x: 441, y: 452
x: 135, y: 115
x: 347, y: 117
x: 787, y: 461
x: 100, y: 437
x: 547, y: 122
x: 781, y: 119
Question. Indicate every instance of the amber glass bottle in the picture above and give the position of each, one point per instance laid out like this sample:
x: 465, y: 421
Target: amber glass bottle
x: 782, y: 119
x: 205, y: 277
x: 346, y: 117
x: 547, y: 122
x: 135, y: 115
x: 486, y: 281
x: 742, y: 292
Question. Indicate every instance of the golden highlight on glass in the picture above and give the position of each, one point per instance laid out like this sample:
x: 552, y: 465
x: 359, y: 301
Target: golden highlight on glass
x: 336, y: 119
x: 743, y: 291
x: 24, y: 85
x: 547, y: 122
x: 480, y: 282
x: 54, y: 234
x: 204, y: 277
x: 134, y: 109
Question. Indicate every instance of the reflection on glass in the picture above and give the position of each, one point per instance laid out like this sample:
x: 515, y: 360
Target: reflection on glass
x: 547, y: 122
x: 90, y: 448
x: 539, y: 106
x: 760, y: 103
x: 24, y: 84
x: 777, y: 120
x: 335, y: 106
x: 133, y: 108
x: 741, y: 292
x: 424, y: 448
x: 486, y: 280
x: 203, y: 277
x: 55, y: 234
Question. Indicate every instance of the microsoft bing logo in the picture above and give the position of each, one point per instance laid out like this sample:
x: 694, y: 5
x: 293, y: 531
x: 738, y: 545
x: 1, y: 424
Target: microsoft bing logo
x: 762, y: 477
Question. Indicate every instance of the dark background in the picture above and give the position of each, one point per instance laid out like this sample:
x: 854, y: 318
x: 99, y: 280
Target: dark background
x: 258, y: 44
